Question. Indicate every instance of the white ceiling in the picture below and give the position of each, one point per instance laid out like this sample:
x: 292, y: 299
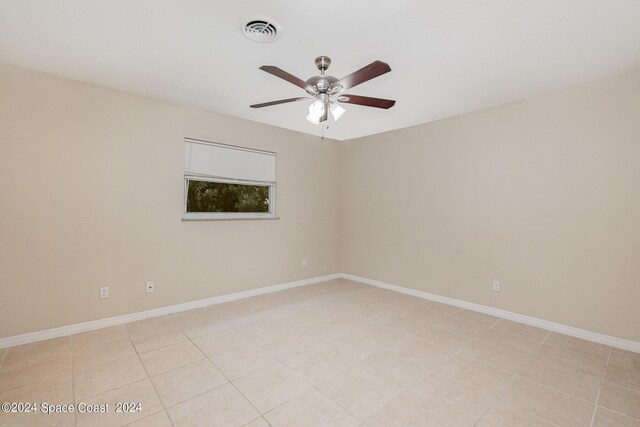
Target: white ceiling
x: 447, y: 56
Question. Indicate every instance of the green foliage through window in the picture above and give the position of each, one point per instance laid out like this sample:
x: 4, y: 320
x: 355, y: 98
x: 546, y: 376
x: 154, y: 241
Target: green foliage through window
x: 204, y: 196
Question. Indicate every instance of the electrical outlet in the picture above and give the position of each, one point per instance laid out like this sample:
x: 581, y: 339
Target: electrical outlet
x: 104, y: 292
x: 149, y: 287
x: 304, y: 262
x: 496, y: 286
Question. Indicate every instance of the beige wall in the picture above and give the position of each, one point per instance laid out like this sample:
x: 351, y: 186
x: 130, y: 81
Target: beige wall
x: 542, y: 195
x: 91, y: 195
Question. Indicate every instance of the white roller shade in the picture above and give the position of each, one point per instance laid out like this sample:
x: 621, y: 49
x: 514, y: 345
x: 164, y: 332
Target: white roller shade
x: 225, y: 161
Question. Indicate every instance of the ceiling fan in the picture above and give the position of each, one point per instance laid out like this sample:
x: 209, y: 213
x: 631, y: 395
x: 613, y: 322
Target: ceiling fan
x: 327, y: 91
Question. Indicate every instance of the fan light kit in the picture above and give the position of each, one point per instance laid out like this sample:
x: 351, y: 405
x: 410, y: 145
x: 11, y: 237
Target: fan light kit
x: 326, y: 91
x: 316, y: 111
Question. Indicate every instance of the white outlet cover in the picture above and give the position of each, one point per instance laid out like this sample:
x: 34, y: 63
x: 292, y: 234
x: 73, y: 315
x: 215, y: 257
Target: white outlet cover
x: 149, y: 287
x: 496, y: 286
x: 304, y: 262
x: 104, y: 292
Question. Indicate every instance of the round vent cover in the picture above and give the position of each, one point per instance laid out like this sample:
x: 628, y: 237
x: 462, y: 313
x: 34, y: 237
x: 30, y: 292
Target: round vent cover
x: 261, y: 29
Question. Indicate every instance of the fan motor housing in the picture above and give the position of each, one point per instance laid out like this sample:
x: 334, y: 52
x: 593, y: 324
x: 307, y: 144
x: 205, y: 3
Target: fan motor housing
x: 321, y: 82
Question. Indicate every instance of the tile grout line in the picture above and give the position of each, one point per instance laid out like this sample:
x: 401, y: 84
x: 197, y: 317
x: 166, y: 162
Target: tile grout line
x: 513, y: 378
x: 163, y: 346
x: 625, y: 367
x: 545, y: 420
x: 581, y: 352
x: 190, y: 339
x: 193, y: 397
x: 476, y: 339
x: 124, y: 385
x: 521, y: 335
x: 431, y: 372
x: 482, y: 415
x: 540, y: 384
x: 255, y: 419
x: 241, y: 393
x: 320, y: 347
x: 32, y: 383
x: 542, y: 342
x: 284, y: 403
x: 434, y: 370
x: 381, y: 348
x: 47, y: 378
x: 553, y: 365
x: 604, y: 375
x: 148, y: 376
x: 547, y: 363
x: 619, y: 413
x: 516, y: 375
x: 595, y: 408
x: 338, y: 403
x: 220, y: 370
x: 73, y: 383
x: 459, y: 352
x: 252, y: 420
x: 246, y: 398
x: 115, y: 388
x: 564, y: 393
x: 626, y: 387
x: 454, y: 354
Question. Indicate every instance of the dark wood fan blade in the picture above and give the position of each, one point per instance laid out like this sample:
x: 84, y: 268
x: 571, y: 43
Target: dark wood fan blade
x: 288, y: 77
x: 280, y: 101
x: 367, y: 101
x: 371, y: 71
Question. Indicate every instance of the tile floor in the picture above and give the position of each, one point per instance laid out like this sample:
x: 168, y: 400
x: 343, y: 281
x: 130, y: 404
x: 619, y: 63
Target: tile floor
x: 337, y: 353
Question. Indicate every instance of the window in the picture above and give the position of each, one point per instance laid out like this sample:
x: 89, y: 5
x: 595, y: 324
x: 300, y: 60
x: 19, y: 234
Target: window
x: 227, y: 182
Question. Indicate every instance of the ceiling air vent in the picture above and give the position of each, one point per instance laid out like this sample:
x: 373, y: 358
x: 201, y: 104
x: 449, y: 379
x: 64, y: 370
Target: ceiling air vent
x: 261, y: 29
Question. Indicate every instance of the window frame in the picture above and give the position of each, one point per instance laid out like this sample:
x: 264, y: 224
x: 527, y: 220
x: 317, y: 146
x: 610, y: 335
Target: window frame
x: 194, y: 176
x: 192, y: 216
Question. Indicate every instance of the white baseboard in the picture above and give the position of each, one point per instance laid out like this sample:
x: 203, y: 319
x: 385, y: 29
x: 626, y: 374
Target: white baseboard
x: 162, y: 311
x: 516, y: 317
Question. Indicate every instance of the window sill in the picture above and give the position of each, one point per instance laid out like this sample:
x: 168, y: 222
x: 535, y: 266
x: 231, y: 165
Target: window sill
x: 230, y: 219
